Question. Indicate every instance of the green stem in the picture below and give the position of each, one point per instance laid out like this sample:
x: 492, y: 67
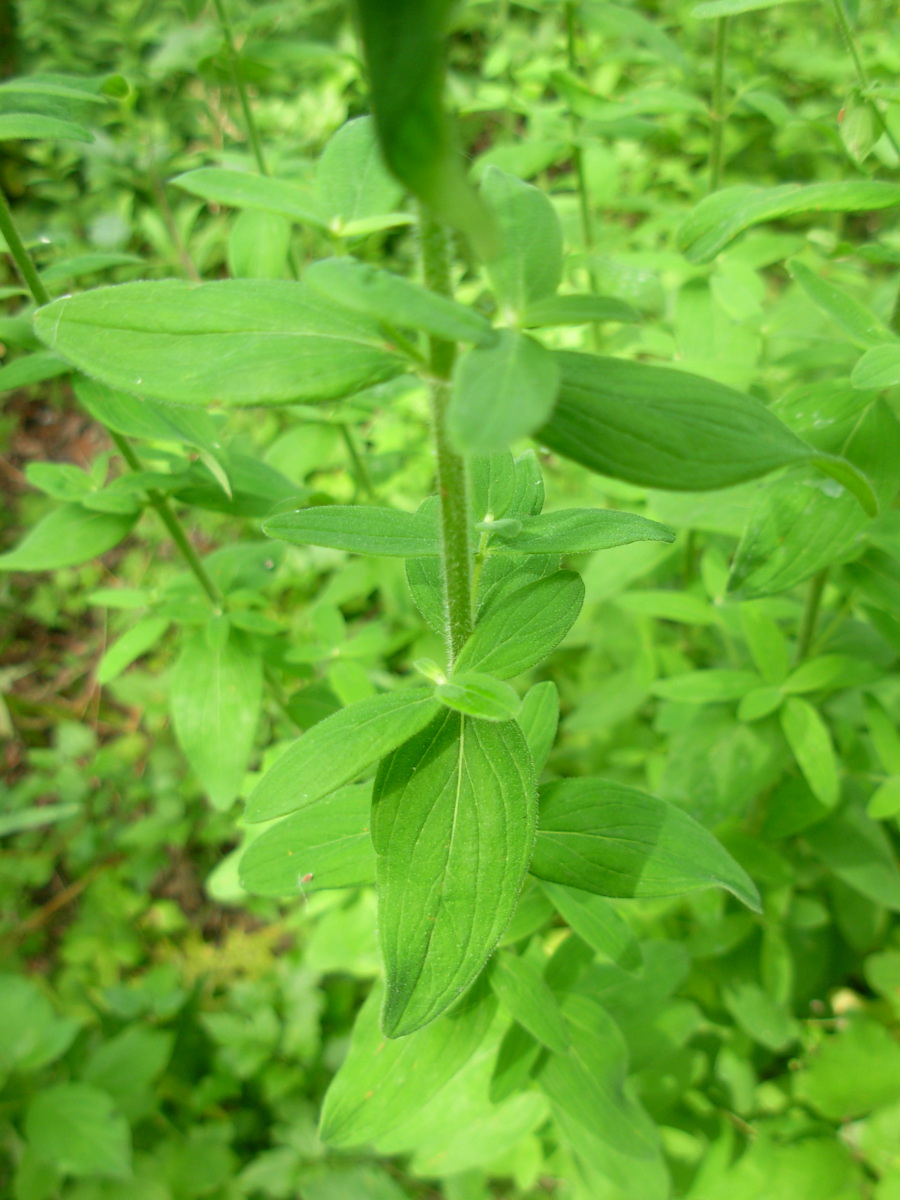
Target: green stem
x: 361, y: 474
x: 173, y: 525
x: 21, y: 257
x: 861, y: 73
x: 456, y: 540
x: 587, y: 221
x: 810, y: 615
x: 235, y: 62
x: 717, y: 116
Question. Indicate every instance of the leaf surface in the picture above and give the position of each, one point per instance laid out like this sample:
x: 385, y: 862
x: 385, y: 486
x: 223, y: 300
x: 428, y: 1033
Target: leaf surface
x: 66, y: 537
x: 578, y: 531
x: 596, y: 922
x: 358, y: 529
x: 521, y: 990
x: 528, y: 267
x: 240, y: 189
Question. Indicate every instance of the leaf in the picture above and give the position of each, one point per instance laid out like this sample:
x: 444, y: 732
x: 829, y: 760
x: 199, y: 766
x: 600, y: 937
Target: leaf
x: 728, y: 8
x: 706, y: 687
x: 862, y: 326
x: 578, y: 531
x: 390, y: 298
x: 521, y: 990
x: 575, y: 309
x: 130, y: 646
x: 884, y: 735
x: 240, y: 189
x: 479, y: 695
x: 33, y: 125
x: 528, y: 266
x: 138, y: 417
x: 239, y: 341
x: 884, y: 801
x: 32, y: 368
x: 538, y: 718
x: 854, y: 1070
x: 326, y: 846
x: 596, y: 922
x: 661, y: 428
x: 31, y: 1034
x: 335, y: 751
x: 358, y: 530
x: 858, y: 851
x: 351, y: 180
x: 383, y: 1082
x: 519, y: 630
x: 453, y: 822
x: 808, y: 737
x: 258, y: 246
x: 720, y: 218
x: 404, y: 45
x: 500, y: 392
x: 66, y: 537
x: 878, y: 368
x: 616, y: 841
x: 78, y: 1129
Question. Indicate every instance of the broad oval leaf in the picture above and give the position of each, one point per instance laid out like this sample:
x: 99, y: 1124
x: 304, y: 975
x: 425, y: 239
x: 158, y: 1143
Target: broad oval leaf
x: 240, y: 341
x: 66, y: 537
x: 358, y: 529
x: 528, y: 266
x: 521, y: 629
x: 351, y: 178
x: 521, y: 990
x: 338, y: 749
x: 327, y: 846
x: 578, y: 531
x: 616, y: 841
x: 453, y: 823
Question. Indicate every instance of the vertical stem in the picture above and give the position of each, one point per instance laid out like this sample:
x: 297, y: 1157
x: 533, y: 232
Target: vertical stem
x: 20, y: 255
x: 861, y: 73
x: 361, y: 475
x: 717, y: 115
x: 235, y: 61
x: 456, y: 542
x: 587, y: 221
x: 810, y: 615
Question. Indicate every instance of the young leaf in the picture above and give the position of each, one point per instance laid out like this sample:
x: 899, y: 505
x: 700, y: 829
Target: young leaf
x: 538, y: 718
x: 216, y: 694
x: 596, y: 922
x: 501, y: 391
x: 616, y: 841
x: 238, y: 341
x: 390, y: 298
x: 808, y: 737
x: 358, y: 530
x: 240, y: 189
x: 576, y: 309
x: 350, y: 177
x: 519, y: 630
x: 130, y: 646
x: 479, y: 695
x: 78, y: 1129
x: 66, y: 537
x: 578, y: 531
x: 521, y: 990
x: 878, y: 368
x: 528, y: 267
x: 327, y: 846
x: 861, y: 325
x: 338, y: 749
x: 453, y: 822
x: 382, y: 1083
x: 721, y: 217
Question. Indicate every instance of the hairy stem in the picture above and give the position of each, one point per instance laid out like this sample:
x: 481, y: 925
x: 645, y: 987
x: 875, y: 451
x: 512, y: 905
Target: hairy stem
x: 717, y: 116
x: 20, y: 255
x: 810, y: 615
x: 456, y: 541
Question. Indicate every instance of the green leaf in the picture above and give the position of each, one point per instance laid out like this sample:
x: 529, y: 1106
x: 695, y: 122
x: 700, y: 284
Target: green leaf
x: 861, y: 325
x: 616, y: 841
x: 404, y: 44
x: 138, y: 417
x: 32, y: 368
x: 66, y: 537
x: 884, y: 735
x: 31, y: 1034
x: 528, y: 267
x: 358, y: 530
x: 351, y: 180
x: 239, y: 341
x: 578, y: 531
x: 519, y: 630
x: 809, y: 739
x: 453, y: 822
x: 878, y: 368
x: 240, y: 189
x: 33, y: 125
x: 885, y: 800
x: 382, y: 1083
x: 538, y: 719
x: 390, y: 298
x: 479, y: 695
x: 500, y: 392
x: 258, y: 246
x: 661, y: 428
x: 596, y: 922
x: 853, y: 1071
x: 335, y: 751
x: 521, y: 990
x: 575, y: 309
x: 720, y: 218
x: 78, y: 1129
x: 130, y: 646
x: 729, y: 8
x: 706, y: 687
x: 327, y: 846
x: 216, y: 695
x: 860, y: 853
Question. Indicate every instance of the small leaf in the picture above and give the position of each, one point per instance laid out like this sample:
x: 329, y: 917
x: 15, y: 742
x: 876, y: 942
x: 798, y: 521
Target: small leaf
x: 528, y: 267
x: 335, y: 751
x: 479, y: 695
x: 521, y: 990
x: 728, y: 8
x: 500, y: 392
x: 358, y: 530
x: 538, y: 719
x: 130, y: 646
x: 78, y: 1129
x: 884, y: 735
x: 859, y: 853
x: 885, y: 800
x: 596, y: 922
x: 520, y: 630
x: 575, y: 309
x: 326, y: 846
x: 240, y: 189
x: 33, y: 125
x: 878, y: 368
x: 32, y: 368
x: 578, y: 531
x: 453, y: 822
x: 862, y: 326
x: 351, y: 180
x: 66, y: 537
x: 616, y: 841
x: 808, y: 737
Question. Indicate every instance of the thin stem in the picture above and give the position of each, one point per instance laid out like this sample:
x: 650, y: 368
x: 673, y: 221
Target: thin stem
x: 173, y: 525
x: 861, y: 73
x: 810, y: 615
x: 717, y: 115
x: 456, y: 541
x: 21, y: 257
x: 587, y: 221
x: 360, y: 471
x: 235, y: 61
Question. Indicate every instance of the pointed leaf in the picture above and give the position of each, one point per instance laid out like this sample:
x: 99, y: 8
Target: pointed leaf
x: 453, y: 821
x: 578, y: 531
x: 878, y: 368
x: 130, y: 646
x: 862, y: 326
x: 521, y: 990
x: 33, y: 125
x: 66, y: 537
x: 538, y: 719
x: 596, y: 922
x: 241, y: 189
x: 860, y: 853
x: 811, y: 743
x: 358, y: 530
x: 335, y: 751
x: 575, y: 309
